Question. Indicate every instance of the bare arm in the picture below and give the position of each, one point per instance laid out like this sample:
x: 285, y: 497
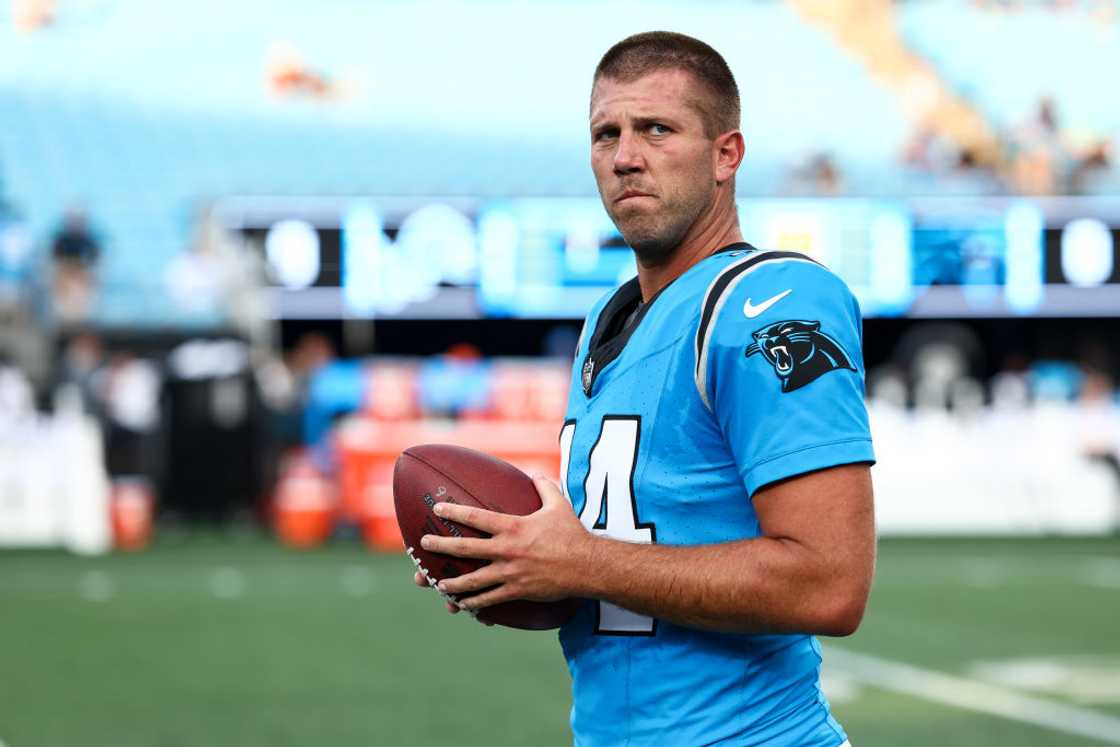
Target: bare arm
x: 810, y: 571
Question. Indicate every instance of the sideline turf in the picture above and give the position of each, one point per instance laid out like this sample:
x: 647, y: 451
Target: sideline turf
x: 234, y: 640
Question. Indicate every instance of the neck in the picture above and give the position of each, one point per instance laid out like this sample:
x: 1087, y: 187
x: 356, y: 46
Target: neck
x: 715, y: 228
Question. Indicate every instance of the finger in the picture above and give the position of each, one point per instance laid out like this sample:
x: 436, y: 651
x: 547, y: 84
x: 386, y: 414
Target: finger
x: 419, y: 580
x: 490, y: 522
x: 550, y: 492
x: 460, y: 547
x: 487, y: 599
x: 453, y: 608
x: 483, y: 578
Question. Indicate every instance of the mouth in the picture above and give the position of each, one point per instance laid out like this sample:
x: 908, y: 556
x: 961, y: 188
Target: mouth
x: 629, y: 195
x: 783, y: 361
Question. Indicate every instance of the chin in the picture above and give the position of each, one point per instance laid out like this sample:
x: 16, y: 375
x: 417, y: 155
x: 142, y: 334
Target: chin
x: 651, y: 250
x: 653, y: 242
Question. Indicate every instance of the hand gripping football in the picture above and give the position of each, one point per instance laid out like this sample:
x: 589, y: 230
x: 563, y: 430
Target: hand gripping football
x: 429, y: 474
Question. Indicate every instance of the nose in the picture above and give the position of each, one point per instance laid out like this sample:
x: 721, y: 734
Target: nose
x: 628, y: 155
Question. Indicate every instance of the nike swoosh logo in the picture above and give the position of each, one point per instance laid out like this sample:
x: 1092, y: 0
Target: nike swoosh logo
x: 752, y: 310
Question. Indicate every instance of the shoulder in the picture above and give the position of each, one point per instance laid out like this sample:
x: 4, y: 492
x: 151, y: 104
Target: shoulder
x: 769, y: 286
x: 772, y: 295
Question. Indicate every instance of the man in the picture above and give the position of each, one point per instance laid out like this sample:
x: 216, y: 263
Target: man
x: 75, y: 251
x: 716, y: 508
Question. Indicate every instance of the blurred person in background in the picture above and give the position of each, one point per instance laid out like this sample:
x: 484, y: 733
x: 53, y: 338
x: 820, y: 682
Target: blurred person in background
x: 311, y: 353
x: 246, y: 301
x: 1098, y: 420
x: 15, y: 265
x: 455, y: 381
x: 75, y: 251
x: 969, y: 176
x: 954, y: 168
x: 15, y: 278
x: 287, y: 73
x: 74, y: 242
x: 75, y: 384
x: 31, y: 15
x: 818, y: 175
x: 22, y: 295
x: 1050, y: 159
x: 928, y: 150
x: 218, y: 278
x: 1041, y: 161
x: 1094, y: 171
x: 1010, y: 388
x: 128, y: 388
x: 17, y: 398
x: 211, y: 453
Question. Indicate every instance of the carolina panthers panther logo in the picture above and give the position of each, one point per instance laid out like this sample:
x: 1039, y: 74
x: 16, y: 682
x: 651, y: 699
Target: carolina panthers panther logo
x: 799, y: 352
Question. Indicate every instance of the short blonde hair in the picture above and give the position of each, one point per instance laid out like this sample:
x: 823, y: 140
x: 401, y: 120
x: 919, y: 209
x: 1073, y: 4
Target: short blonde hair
x: 641, y: 54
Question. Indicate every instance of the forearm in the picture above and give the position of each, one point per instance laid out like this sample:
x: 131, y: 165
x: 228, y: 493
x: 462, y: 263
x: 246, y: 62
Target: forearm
x: 758, y: 585
x: 810, y: 571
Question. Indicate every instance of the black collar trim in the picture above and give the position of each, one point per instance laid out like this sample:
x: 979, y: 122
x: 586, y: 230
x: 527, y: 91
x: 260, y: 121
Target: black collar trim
x: 607, y: 343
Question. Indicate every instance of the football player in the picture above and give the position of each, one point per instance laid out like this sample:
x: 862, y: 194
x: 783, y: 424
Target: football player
x: 716, y: 503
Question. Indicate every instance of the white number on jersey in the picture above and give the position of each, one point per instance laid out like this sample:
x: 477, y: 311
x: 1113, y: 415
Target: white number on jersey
x: 610, y: 509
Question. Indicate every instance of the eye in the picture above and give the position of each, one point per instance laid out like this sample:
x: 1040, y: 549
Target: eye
x: 604, y: 133
x: 658, y: 129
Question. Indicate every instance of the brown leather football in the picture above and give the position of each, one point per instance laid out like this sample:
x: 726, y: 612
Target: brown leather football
x: 431, y: 473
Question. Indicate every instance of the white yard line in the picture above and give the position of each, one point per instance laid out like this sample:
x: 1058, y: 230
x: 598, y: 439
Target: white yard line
x: 1102, y: 572
x: 973, y: 695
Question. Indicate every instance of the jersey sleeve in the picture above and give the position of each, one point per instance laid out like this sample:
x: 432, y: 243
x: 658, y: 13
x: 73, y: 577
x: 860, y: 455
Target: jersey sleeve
x: 780, y: 366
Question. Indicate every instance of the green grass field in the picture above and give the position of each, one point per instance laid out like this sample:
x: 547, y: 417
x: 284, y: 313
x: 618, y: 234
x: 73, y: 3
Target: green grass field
x: 236, y: 641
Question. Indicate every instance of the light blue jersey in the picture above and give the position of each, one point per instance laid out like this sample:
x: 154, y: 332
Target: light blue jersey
x: 745, y: 370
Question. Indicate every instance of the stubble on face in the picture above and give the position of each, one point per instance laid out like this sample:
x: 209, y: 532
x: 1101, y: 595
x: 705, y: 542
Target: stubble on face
x: 655, y: 232
x: 672, y: 172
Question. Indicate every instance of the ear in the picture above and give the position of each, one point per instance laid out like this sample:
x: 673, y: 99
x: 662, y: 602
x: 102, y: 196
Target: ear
x: 728, y: 150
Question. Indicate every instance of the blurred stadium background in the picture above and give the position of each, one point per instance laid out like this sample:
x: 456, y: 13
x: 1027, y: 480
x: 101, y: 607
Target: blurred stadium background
x: 249, y: 251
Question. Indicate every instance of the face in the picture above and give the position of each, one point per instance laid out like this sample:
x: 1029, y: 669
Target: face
x: 653, y: 162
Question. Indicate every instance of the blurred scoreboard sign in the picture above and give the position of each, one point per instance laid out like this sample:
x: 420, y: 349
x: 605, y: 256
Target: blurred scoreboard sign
x: 409, y: 258
x: 437, y: 257
x: 1000, y: 257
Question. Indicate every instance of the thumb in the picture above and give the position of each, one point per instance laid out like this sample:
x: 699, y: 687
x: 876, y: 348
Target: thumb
x: 549, y: 491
